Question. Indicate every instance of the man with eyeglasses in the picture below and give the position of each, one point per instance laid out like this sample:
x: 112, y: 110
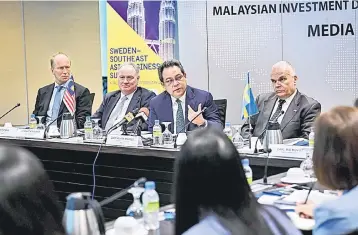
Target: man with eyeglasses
x: 180, y: 103
x: 128, y: 98
x: 294, y: 111
x: 50, y: 98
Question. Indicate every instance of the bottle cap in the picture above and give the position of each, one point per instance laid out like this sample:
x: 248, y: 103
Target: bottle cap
x: 32, y: 115
x: 149, y: 185
x: 245, y: 162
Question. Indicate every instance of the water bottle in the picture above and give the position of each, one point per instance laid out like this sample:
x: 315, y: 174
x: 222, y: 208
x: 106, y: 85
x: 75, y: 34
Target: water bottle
x: 157, y: 133
x: 88, y: 128
x: 33, y: 122
x: 248, y: 171
x: 150, y: 206
x: 311, y: 138
x: 228, y: 130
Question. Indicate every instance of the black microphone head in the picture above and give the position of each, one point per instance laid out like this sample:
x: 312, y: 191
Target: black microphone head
x: 269, y: 150
x: 18, y: 104
x: 204, y: 109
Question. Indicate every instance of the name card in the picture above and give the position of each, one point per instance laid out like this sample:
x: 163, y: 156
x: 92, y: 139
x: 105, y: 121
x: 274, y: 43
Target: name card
x: 281, y: 150
x: 8, y: 132
x: 30, y: 133
x: 124, y: 140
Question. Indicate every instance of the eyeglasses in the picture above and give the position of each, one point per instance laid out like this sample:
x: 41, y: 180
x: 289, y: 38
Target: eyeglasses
x: 178, y: 78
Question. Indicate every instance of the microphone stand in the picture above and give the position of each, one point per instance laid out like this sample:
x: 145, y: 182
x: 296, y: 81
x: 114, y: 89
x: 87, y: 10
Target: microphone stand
x: 122, y: 192
x: 17, y: 105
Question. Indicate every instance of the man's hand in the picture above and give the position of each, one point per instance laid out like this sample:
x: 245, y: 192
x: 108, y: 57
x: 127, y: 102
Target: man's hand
x: 191, y: 114
x: 144, y: 110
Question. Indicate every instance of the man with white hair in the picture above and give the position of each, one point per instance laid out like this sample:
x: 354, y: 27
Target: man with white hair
x: 117, y: 104
x: 294, y: 111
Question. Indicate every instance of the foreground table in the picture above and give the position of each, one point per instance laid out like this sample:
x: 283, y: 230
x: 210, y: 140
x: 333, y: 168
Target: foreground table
x: 70, y: 167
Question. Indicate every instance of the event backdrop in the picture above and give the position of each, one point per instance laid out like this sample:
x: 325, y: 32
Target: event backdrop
x: 220, y: 41
x: 142, y: 32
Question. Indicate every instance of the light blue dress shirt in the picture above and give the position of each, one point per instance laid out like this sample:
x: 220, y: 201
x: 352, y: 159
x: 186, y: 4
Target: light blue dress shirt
x: 339, y: 216
x: 49, y: 111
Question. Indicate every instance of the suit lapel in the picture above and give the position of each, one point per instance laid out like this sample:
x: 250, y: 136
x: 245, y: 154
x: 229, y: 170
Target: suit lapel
x: 268, y: 108
x: 190, y: 100
x: 134, y: 101
x: 111, y: 104
x: 291, y: 111
x: 47, y: 98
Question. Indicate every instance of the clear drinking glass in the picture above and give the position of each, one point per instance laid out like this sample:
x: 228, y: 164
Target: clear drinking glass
x: 307, y: 164
x: 97, y: 131
x: 41, y: 125
x: 238, y: 140
x: 167, y: 135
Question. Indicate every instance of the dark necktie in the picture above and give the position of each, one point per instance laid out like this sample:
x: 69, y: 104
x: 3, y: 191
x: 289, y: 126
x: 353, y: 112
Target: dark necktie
x: 278, y: 110
x: 180, y: 118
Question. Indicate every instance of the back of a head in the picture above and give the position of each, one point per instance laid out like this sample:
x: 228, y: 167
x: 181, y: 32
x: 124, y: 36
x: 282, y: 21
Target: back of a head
x: 335, y: 155
x: 28, y: 204
x: 209, y: 175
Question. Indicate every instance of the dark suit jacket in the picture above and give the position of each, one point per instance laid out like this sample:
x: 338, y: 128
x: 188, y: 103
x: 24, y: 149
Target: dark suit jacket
x: 161, y: 108
x: 83, y: 104
x: 296, y: 122
x: 141, y: 98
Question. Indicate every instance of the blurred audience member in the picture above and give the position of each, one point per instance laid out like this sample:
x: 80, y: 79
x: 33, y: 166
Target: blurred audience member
x: 28, y: 204
x: 212, y: 195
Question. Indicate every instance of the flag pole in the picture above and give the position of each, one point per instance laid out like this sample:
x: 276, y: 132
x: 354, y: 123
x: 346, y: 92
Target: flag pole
x: 249, y: 118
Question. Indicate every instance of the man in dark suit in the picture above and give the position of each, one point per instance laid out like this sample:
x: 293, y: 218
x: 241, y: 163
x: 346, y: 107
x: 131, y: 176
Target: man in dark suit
x: 118, y: 103
x: 49, y: 100
x: 177, y: 104
x: 294, y: 111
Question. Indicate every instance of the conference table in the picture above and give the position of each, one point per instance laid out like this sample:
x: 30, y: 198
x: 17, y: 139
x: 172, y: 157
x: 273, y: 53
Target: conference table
x: 70, y: 168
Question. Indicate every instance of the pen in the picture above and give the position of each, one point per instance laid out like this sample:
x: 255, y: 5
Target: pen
x: 309, y: 191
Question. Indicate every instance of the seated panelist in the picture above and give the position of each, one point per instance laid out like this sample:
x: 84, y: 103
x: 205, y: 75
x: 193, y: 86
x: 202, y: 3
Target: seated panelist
x: 180, y: 103
x: 129, y: 97
x: 53, y: 100
x: 294, y: 111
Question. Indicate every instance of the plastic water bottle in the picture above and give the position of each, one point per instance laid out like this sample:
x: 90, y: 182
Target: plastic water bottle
x: 33, y: 122
x: 228, y: 130
x: 248, y: 171
x: 157, y: 133
x: 311, y: 138
x: 88, y: 128
x: 150, y: 206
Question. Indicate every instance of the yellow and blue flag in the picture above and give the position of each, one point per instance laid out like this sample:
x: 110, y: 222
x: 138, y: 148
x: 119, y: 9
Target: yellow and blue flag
x: 249, y: 107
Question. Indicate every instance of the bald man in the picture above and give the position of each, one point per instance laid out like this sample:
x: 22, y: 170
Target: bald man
x: 49, y: 100
x: 294, y: 111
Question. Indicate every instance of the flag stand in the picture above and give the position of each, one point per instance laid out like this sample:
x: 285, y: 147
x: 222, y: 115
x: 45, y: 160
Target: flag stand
x: 250, y: 131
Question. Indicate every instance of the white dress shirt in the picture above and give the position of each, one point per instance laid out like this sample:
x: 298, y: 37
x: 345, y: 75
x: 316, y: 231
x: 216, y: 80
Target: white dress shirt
x: 284, y: 106
x: 49, y: 111
x: 175, y: 109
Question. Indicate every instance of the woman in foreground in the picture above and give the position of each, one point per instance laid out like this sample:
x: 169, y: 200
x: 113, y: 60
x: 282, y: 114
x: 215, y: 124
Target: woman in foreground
x: 212, y: 195
x: 28, y: 204
x: 335, y: 163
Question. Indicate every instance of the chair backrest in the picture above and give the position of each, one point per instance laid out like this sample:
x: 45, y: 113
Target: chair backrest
x: 222, y: 104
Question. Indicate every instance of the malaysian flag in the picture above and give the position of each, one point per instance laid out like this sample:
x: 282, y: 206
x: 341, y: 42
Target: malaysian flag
x: 69, y: 97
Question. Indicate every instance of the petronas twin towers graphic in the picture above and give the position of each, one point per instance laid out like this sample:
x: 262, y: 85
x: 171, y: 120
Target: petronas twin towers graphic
x: 165, y: 46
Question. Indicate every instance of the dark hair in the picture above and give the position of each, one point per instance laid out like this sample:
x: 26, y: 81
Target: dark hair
x: 209, y: 176
x: 168, y: 64
x: 28, y: 204
x: 356, y: 103
x: 335, y: 154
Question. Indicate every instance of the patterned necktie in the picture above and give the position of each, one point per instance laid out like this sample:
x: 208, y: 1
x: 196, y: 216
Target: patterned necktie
x: 56, y: 103
x: 180, y: 118
x: 116, y: 112
x: 278, y: 110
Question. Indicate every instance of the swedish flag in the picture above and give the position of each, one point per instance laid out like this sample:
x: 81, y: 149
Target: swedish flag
x: 249, y: 107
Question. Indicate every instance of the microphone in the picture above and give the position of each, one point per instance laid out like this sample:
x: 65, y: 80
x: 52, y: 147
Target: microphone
x: 123, y: 192
x: 141, y: 118
x: 264, y: 178
x: 17, y: 105
x: 186, y: 126
x: 265, y: 129
x: 126, y: 119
